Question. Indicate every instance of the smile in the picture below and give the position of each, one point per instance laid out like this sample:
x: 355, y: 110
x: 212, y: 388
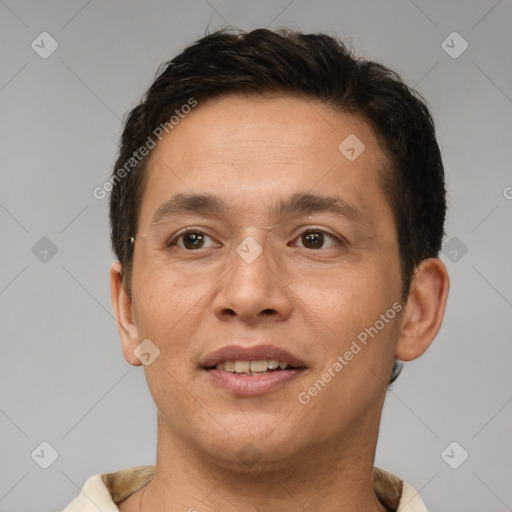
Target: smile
x: 261, y: 367
x: 252, y: 370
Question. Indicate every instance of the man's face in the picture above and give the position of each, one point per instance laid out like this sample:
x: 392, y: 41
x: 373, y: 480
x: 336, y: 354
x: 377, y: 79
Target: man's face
x: 310, y: 296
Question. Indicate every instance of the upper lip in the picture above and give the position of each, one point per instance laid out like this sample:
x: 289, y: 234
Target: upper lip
x: 257, y: 353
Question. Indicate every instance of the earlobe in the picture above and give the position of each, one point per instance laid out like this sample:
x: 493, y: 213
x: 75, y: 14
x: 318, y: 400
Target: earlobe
x: 424, y: 310
x: 122, y: 304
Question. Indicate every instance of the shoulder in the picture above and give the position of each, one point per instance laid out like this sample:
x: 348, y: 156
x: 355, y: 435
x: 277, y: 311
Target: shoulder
x: 395, y: 493
x: 105, y: 490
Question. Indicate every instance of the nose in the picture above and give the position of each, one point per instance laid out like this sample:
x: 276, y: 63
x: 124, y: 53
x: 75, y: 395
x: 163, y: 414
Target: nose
x: 254, y: 289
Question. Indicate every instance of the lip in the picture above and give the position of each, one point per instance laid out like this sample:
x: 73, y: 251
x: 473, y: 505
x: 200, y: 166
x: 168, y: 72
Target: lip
x: 257, y: 353
x: 253, y: 384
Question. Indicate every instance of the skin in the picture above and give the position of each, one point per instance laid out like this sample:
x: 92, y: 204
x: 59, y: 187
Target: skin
x: 319, y: 456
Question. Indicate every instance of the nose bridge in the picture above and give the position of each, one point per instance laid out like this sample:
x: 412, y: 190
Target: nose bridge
x: 253, y: 285
x: 253, y: 241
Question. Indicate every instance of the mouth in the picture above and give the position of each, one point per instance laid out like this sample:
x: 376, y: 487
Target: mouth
x: 261, y: 367
x: 252, y: 371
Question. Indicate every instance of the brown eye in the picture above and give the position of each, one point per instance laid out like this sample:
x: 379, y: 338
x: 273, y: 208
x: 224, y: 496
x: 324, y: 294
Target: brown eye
x: 192, y: 240
x: 313, y: 239
x: 316, y: 238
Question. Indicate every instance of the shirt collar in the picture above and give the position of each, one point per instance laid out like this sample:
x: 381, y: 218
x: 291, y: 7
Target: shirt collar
x: 112, y: 488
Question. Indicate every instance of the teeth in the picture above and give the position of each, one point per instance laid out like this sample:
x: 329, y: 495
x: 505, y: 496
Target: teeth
x: 242, y: 366
x: 259, y: 366
x: 251, y: 367
x: 229, y: 366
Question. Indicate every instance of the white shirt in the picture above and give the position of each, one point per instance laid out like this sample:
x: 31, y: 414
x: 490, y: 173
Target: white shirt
x: 102, y: 492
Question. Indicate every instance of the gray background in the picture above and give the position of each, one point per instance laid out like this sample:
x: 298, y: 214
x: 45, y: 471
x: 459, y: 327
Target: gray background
x: 63, y: 376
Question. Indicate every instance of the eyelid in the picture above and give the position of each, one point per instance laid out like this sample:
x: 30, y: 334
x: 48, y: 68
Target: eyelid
x: 185, y: 231
x: 339, y: 238
x: 299, y: 232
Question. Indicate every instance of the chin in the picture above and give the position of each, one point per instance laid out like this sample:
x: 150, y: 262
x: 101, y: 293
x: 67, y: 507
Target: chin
x: 254, y: 448
x: 252, y: 457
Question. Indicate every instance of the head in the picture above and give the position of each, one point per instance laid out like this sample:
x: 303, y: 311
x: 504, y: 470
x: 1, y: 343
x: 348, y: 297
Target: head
x: 256, y: 118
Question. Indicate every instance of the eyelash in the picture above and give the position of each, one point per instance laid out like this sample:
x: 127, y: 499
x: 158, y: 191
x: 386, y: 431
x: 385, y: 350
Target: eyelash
x: 340, y: 240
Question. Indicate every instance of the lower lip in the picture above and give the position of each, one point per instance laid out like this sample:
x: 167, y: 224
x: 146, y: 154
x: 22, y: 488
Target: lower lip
x: 253, y: 384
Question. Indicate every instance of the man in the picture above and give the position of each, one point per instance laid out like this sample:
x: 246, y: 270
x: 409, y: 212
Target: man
x: 277, y: 211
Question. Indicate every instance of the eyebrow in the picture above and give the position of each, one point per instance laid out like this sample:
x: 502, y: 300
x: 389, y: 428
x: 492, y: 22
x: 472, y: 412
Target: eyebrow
x: 296, y: 203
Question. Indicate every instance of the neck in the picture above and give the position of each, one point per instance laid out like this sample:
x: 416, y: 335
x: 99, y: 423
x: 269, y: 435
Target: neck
x: 327, y: 479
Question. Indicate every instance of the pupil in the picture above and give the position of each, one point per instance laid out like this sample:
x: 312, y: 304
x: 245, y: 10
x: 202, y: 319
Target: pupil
x: 314, y: 238
x: 194, y: 237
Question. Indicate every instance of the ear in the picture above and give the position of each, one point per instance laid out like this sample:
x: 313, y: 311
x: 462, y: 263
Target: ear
x: 122, y: 304
x: 424, y: 310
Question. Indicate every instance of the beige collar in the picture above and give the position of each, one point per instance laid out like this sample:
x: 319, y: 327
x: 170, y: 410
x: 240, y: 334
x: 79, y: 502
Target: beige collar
x: 125, y: 482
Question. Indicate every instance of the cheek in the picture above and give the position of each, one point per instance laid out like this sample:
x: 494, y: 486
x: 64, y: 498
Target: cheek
x: 350, y: 296
x: 169, y: 311
x: 354, y: 313
x: 164, y: 292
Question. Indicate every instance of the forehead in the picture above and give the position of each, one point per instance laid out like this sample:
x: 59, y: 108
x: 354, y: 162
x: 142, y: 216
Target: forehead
x: 247, y: 149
